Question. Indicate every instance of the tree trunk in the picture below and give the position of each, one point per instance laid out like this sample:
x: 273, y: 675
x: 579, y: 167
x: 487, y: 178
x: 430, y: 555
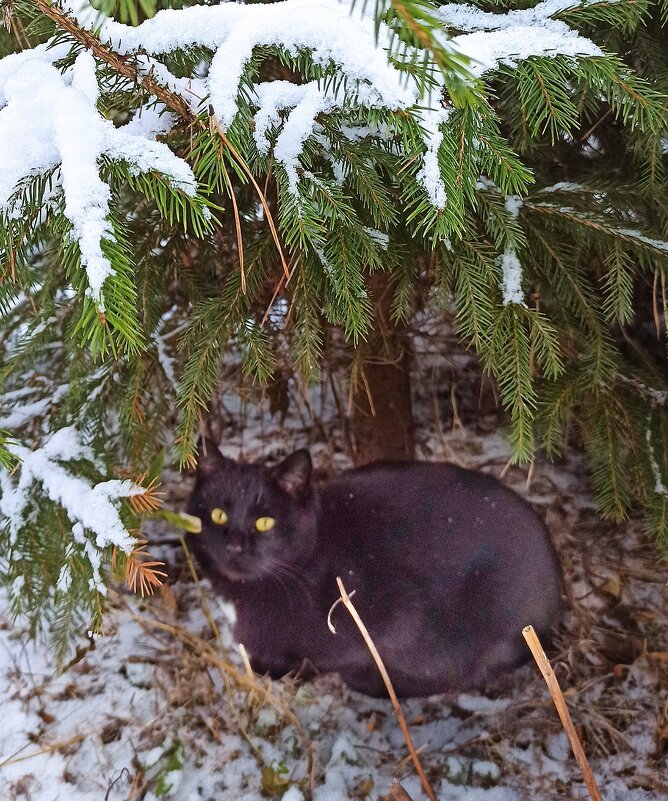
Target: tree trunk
x: 382, y: 417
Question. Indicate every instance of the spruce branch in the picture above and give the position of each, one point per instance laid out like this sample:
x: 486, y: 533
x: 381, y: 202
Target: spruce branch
x: 120, y: 64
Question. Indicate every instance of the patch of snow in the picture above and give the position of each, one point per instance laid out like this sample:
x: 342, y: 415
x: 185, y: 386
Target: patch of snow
x: 297, y: 128
x: 562, y: 186
x: 659, y: 244
x: 513, y: 205
x: 430, y: 173
x: 466, y: 17
x: 379, y: 237
x: 23, y: 413
x: 89, y: 506
x: 511, y: 283
x: 293, y: 794
x: 481, y: 704
x: 659, y: 486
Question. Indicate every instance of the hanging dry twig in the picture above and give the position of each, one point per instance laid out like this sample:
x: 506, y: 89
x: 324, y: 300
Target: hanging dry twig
x: 562, y: 709
x: 141, y: 572
x: 263, y: 200
x: 345, y: 599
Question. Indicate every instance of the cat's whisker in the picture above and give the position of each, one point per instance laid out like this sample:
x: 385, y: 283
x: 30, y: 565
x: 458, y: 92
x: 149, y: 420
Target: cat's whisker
x: 275, y: 574
x: 289, y: 582
x: 292, y: 573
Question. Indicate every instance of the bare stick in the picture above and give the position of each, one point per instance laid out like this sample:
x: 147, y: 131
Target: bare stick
x: 345, y: 599
x: 562, y: 709
x: 193, y: 573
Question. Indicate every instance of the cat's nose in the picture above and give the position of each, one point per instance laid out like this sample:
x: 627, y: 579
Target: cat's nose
x: 234, y: 547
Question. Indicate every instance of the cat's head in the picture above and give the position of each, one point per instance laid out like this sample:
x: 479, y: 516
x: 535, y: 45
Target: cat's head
x: 256, y: 521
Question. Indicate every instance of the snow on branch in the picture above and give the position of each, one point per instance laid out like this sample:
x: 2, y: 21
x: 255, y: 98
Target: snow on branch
x: 466, y: 17
x: 324, y: 28
x: 50, y: 120
x: 332, y: 35
x: 511, y: 268
x: 493, y: 39
x: 92, y: 507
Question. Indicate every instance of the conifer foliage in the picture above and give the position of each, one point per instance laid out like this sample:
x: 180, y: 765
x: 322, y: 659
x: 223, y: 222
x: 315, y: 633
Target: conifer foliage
x: 175, y: 175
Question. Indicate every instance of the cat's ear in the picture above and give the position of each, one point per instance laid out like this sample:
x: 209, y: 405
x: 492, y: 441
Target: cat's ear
x: 293, y: 473
x: 209, y: 458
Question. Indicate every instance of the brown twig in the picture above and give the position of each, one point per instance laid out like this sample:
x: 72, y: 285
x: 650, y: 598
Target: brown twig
x: 263, y: 200
x: 562, y: 709
x: 47, y: 749
x: 655, y: 304
x: 235, y: 208
x: 122, y: 65
x: 345, y: 599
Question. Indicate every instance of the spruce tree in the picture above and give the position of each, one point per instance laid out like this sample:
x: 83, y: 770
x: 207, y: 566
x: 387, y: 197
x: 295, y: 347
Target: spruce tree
x: 168, y: 179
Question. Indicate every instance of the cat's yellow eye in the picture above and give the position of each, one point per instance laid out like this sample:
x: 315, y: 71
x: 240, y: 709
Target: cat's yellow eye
x: 219, y: 517
x: 265, y: 523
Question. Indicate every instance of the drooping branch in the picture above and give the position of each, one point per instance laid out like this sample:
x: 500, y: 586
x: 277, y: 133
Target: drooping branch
x: 121, y: 64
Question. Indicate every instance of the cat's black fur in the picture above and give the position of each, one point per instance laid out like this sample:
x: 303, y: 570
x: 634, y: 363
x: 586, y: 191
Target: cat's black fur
x: 447, y: 566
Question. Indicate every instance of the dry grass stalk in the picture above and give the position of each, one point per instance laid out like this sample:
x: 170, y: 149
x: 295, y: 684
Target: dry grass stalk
x: 562, y: 709
x: 397, y: 793
x: 345, y: 599
x: 215, y: 127
x: 47, y: 749
x: 254, y: 684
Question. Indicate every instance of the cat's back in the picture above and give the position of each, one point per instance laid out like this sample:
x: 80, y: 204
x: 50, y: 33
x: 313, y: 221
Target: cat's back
x: 438, y: 499
x: 438, y: 520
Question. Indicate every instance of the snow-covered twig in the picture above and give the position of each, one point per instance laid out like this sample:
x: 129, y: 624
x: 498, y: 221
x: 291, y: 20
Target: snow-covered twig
x: 92, y: 507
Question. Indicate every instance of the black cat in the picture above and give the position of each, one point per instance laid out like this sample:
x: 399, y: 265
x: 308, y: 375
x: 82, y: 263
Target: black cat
x: 448, y: 565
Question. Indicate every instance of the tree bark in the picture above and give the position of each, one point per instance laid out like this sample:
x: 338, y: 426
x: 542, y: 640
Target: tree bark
x: 382, y: 416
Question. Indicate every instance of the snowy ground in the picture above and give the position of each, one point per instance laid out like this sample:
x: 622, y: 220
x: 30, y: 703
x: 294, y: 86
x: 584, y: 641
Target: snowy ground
x: 159, y: 709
